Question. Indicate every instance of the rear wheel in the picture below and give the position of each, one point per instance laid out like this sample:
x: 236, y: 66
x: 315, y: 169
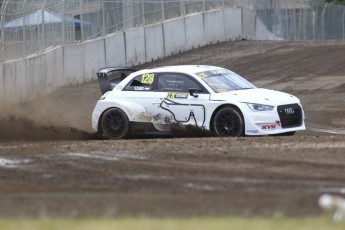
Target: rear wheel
x: 115, y: 124
x: 228, y: 122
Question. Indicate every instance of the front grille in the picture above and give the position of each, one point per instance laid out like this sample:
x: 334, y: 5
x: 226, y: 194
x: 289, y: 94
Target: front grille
x: 290, y: 115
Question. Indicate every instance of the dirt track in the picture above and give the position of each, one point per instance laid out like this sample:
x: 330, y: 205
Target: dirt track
x: 50, y: 164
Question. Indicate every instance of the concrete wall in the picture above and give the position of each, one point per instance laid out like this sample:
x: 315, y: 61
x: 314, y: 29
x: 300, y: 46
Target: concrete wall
x: 94, y: 58
x: 26, y: 79
x: 214, y: 27
x: 36, y: 76
x: 174, y: 32
x: 74, y: 70
x: 115, y: 50
x: 261, y: 32
x: 248, y: 24
x: 55, y: 69
x: 154, y: 42
x: 2, y: 88
x: 135, y: 46
x: 9, y: 81
x: 22, y: 89
x: 194, y: 25
x: 233, y: 24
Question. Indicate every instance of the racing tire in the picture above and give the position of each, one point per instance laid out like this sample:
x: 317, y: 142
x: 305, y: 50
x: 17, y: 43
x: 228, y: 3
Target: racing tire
x: 228, y: 122
x: 115, y: 124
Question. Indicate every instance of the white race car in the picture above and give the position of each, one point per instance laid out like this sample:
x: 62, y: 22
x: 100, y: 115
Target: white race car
x: 206, y: 97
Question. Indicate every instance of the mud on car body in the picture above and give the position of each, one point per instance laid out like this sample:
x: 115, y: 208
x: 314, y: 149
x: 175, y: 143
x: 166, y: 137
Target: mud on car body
x: 207, y: 97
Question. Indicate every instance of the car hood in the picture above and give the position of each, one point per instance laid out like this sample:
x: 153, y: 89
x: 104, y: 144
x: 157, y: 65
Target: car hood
x: 259, y: 96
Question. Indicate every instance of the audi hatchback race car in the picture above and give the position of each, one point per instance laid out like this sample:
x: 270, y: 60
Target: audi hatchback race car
x: 207, y: 97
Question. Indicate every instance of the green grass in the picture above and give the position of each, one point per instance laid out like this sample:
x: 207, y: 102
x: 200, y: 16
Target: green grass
x: 143, y: 223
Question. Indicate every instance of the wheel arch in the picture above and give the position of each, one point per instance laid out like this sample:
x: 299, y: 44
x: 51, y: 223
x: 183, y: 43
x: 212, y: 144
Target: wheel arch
x: 99, y: 125
x: 105, y: 107
x: 222, y: 106
x: 134, y: 111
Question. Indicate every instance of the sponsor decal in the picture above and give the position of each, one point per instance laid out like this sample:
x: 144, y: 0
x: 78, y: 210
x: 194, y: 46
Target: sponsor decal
x: 222, y: 90
x: 177, y: 95
x: 142, y: 88
x: 171, y: 95
x: 218, y: 71
x: 186, y: 112
x: 252, y: 131
x: 148, y: 78
x: 139, y: 88
x: 268, y: 127
x: 202, y: 75
x: 289, y: 111
x: 210, y: 73
x: 278, y: 123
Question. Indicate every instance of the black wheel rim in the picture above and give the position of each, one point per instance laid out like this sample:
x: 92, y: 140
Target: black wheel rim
x: 115, y: 124
x: 228, y: 124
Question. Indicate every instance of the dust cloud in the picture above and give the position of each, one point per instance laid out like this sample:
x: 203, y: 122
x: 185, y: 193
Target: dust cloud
x: 63, y: 115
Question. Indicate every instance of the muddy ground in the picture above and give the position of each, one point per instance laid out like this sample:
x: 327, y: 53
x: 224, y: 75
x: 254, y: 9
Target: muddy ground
x: 52, y: 165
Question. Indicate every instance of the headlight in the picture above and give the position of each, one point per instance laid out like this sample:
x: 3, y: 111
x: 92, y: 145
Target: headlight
x: 259, y: 107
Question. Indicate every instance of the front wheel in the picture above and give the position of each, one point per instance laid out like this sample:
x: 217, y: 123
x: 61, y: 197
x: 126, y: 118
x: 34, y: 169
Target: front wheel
x: 115, y: 124
x: 228, y: 122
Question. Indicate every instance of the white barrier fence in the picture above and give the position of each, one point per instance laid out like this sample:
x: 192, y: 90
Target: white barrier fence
x: 25, y: 79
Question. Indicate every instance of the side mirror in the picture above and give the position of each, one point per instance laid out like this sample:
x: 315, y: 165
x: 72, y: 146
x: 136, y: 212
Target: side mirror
x: 192, y: 92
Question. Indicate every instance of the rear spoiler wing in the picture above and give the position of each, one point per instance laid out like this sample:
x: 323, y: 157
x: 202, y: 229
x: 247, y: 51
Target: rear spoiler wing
x: 105, y: 84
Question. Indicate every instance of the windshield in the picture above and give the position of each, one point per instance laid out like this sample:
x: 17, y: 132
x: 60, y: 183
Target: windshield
x: 223, y: 80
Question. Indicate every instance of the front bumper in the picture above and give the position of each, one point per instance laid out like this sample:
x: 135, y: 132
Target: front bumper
x: 283, y: 119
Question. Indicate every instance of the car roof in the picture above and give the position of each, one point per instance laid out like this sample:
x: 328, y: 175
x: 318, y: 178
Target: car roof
x: 188, y: 69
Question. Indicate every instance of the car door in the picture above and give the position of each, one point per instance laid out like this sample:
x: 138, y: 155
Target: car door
x: 140, y: 94
x: 175, y: 104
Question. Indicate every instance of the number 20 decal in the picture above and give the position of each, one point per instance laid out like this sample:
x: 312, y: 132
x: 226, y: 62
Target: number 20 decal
x: 148, y: 78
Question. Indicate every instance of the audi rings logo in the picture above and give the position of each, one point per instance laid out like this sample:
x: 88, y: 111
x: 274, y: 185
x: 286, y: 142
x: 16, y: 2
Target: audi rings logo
x: 289, y: 111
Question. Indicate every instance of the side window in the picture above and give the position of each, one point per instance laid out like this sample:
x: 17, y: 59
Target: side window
x: 144, y: 82
x: 176, y: 82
